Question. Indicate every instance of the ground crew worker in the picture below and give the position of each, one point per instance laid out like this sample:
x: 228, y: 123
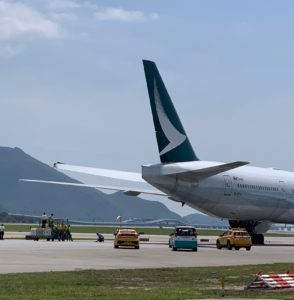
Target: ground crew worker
x: 51, y: 221
x: 68, y: 234
x: 44, y: 220
x: 2, y: 229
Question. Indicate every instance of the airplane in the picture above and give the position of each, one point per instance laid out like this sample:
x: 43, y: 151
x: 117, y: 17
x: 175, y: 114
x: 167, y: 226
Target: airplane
x: 249, y: 197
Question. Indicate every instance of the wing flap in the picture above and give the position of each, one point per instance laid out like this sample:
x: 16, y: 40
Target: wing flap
x: 126, y: 190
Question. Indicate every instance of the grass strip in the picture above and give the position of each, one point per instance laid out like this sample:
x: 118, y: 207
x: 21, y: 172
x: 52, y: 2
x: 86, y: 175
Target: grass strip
x: 173, y: 283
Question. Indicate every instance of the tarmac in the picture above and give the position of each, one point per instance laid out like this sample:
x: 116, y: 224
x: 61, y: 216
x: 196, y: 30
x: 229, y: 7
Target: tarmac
x: 20, y: 255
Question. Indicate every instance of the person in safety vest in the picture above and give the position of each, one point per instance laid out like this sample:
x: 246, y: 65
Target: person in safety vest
x: 44, y: 220
x: 2, y: 229
x: 51, y: 221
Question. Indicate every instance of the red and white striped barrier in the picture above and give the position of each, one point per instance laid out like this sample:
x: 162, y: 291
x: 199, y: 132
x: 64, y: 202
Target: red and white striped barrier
x: 272, y: 281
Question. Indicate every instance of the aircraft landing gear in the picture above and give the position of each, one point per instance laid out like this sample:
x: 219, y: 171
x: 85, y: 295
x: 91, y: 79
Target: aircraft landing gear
x: 257, y: 239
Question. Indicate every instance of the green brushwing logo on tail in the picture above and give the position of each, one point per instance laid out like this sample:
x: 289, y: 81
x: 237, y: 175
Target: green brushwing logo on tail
x: 173, y: 143
x: 174, y: 137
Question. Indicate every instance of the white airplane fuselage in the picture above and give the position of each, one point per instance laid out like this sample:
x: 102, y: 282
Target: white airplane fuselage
x: 244, y: 193
x: 248, y: 197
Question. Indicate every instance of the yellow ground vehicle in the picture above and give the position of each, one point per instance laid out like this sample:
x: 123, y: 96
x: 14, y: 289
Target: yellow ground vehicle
x: 234, y: 237
x: 126, y: 237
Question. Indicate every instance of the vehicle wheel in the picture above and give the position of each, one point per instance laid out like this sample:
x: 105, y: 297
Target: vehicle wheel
x: 115, y: 246
x: 218, y: 245
x: 137, y: 247
x: 229, y: 246
x: 237, y: 248
x: 175, y: 249
x: 248, y: 248
x: 195, y: 249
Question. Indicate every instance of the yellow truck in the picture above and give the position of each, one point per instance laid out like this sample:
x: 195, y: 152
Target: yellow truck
x: 234, y: 237
x: 126, y: 237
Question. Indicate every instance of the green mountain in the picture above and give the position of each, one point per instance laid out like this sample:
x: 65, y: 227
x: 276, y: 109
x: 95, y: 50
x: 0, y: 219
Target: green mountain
x: 77, y: 203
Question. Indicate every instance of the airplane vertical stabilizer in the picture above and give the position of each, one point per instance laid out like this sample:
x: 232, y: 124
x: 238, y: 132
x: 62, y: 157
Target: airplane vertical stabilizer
x: 173, y: 143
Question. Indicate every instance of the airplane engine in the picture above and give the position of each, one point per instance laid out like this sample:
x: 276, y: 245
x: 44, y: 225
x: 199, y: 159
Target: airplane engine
x: 254, y: 228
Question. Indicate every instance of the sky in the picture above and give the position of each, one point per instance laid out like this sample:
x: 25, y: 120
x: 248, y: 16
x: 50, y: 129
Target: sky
x: 72, y: 86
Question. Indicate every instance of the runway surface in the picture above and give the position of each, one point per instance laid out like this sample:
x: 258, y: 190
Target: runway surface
x: 30, y: 256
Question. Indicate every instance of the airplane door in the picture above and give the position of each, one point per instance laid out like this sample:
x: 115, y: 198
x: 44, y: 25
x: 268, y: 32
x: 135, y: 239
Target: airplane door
x: 228, y: 185
x: 282, y: 190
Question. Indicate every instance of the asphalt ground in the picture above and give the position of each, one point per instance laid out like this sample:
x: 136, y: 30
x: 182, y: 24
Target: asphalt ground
x: 19, y: 255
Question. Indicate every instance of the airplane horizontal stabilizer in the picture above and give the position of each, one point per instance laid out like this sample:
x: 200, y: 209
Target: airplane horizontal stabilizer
x: 129, y: 176
x: 126, y: 190
x: 201, y: 174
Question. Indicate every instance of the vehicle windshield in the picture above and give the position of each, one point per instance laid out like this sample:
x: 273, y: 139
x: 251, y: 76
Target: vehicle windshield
x: 127, y: 233
x: 241, y: 233
x: 185, y: 232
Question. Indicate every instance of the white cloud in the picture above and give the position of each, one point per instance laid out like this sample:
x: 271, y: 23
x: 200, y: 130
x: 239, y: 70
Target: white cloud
x: 122, y: 15
x: 63, y: 16
x: 62, y: 4
x: 7, y: 51
x: 17, y: 20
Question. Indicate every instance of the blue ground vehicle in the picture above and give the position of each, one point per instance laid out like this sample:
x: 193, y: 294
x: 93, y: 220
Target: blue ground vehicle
x: 184, y: 237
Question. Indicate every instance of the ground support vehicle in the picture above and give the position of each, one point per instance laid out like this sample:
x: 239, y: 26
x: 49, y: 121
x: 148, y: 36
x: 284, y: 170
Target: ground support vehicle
x: 126, y: 237
x: 184, y: 237
x: 60, y: 231
x: 40, y: 233
x: 234, y: 238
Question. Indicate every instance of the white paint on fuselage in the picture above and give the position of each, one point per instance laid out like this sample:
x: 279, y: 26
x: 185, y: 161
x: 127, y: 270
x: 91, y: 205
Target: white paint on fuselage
x: 244, y: 193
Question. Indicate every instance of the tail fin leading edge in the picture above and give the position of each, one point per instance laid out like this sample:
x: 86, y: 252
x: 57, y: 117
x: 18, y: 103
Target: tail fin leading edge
x: 173, y: 143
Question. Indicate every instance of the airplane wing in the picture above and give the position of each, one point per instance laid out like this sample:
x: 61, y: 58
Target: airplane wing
x: 126, y: 190
x: 201, y: 174
x: 129, y: 176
